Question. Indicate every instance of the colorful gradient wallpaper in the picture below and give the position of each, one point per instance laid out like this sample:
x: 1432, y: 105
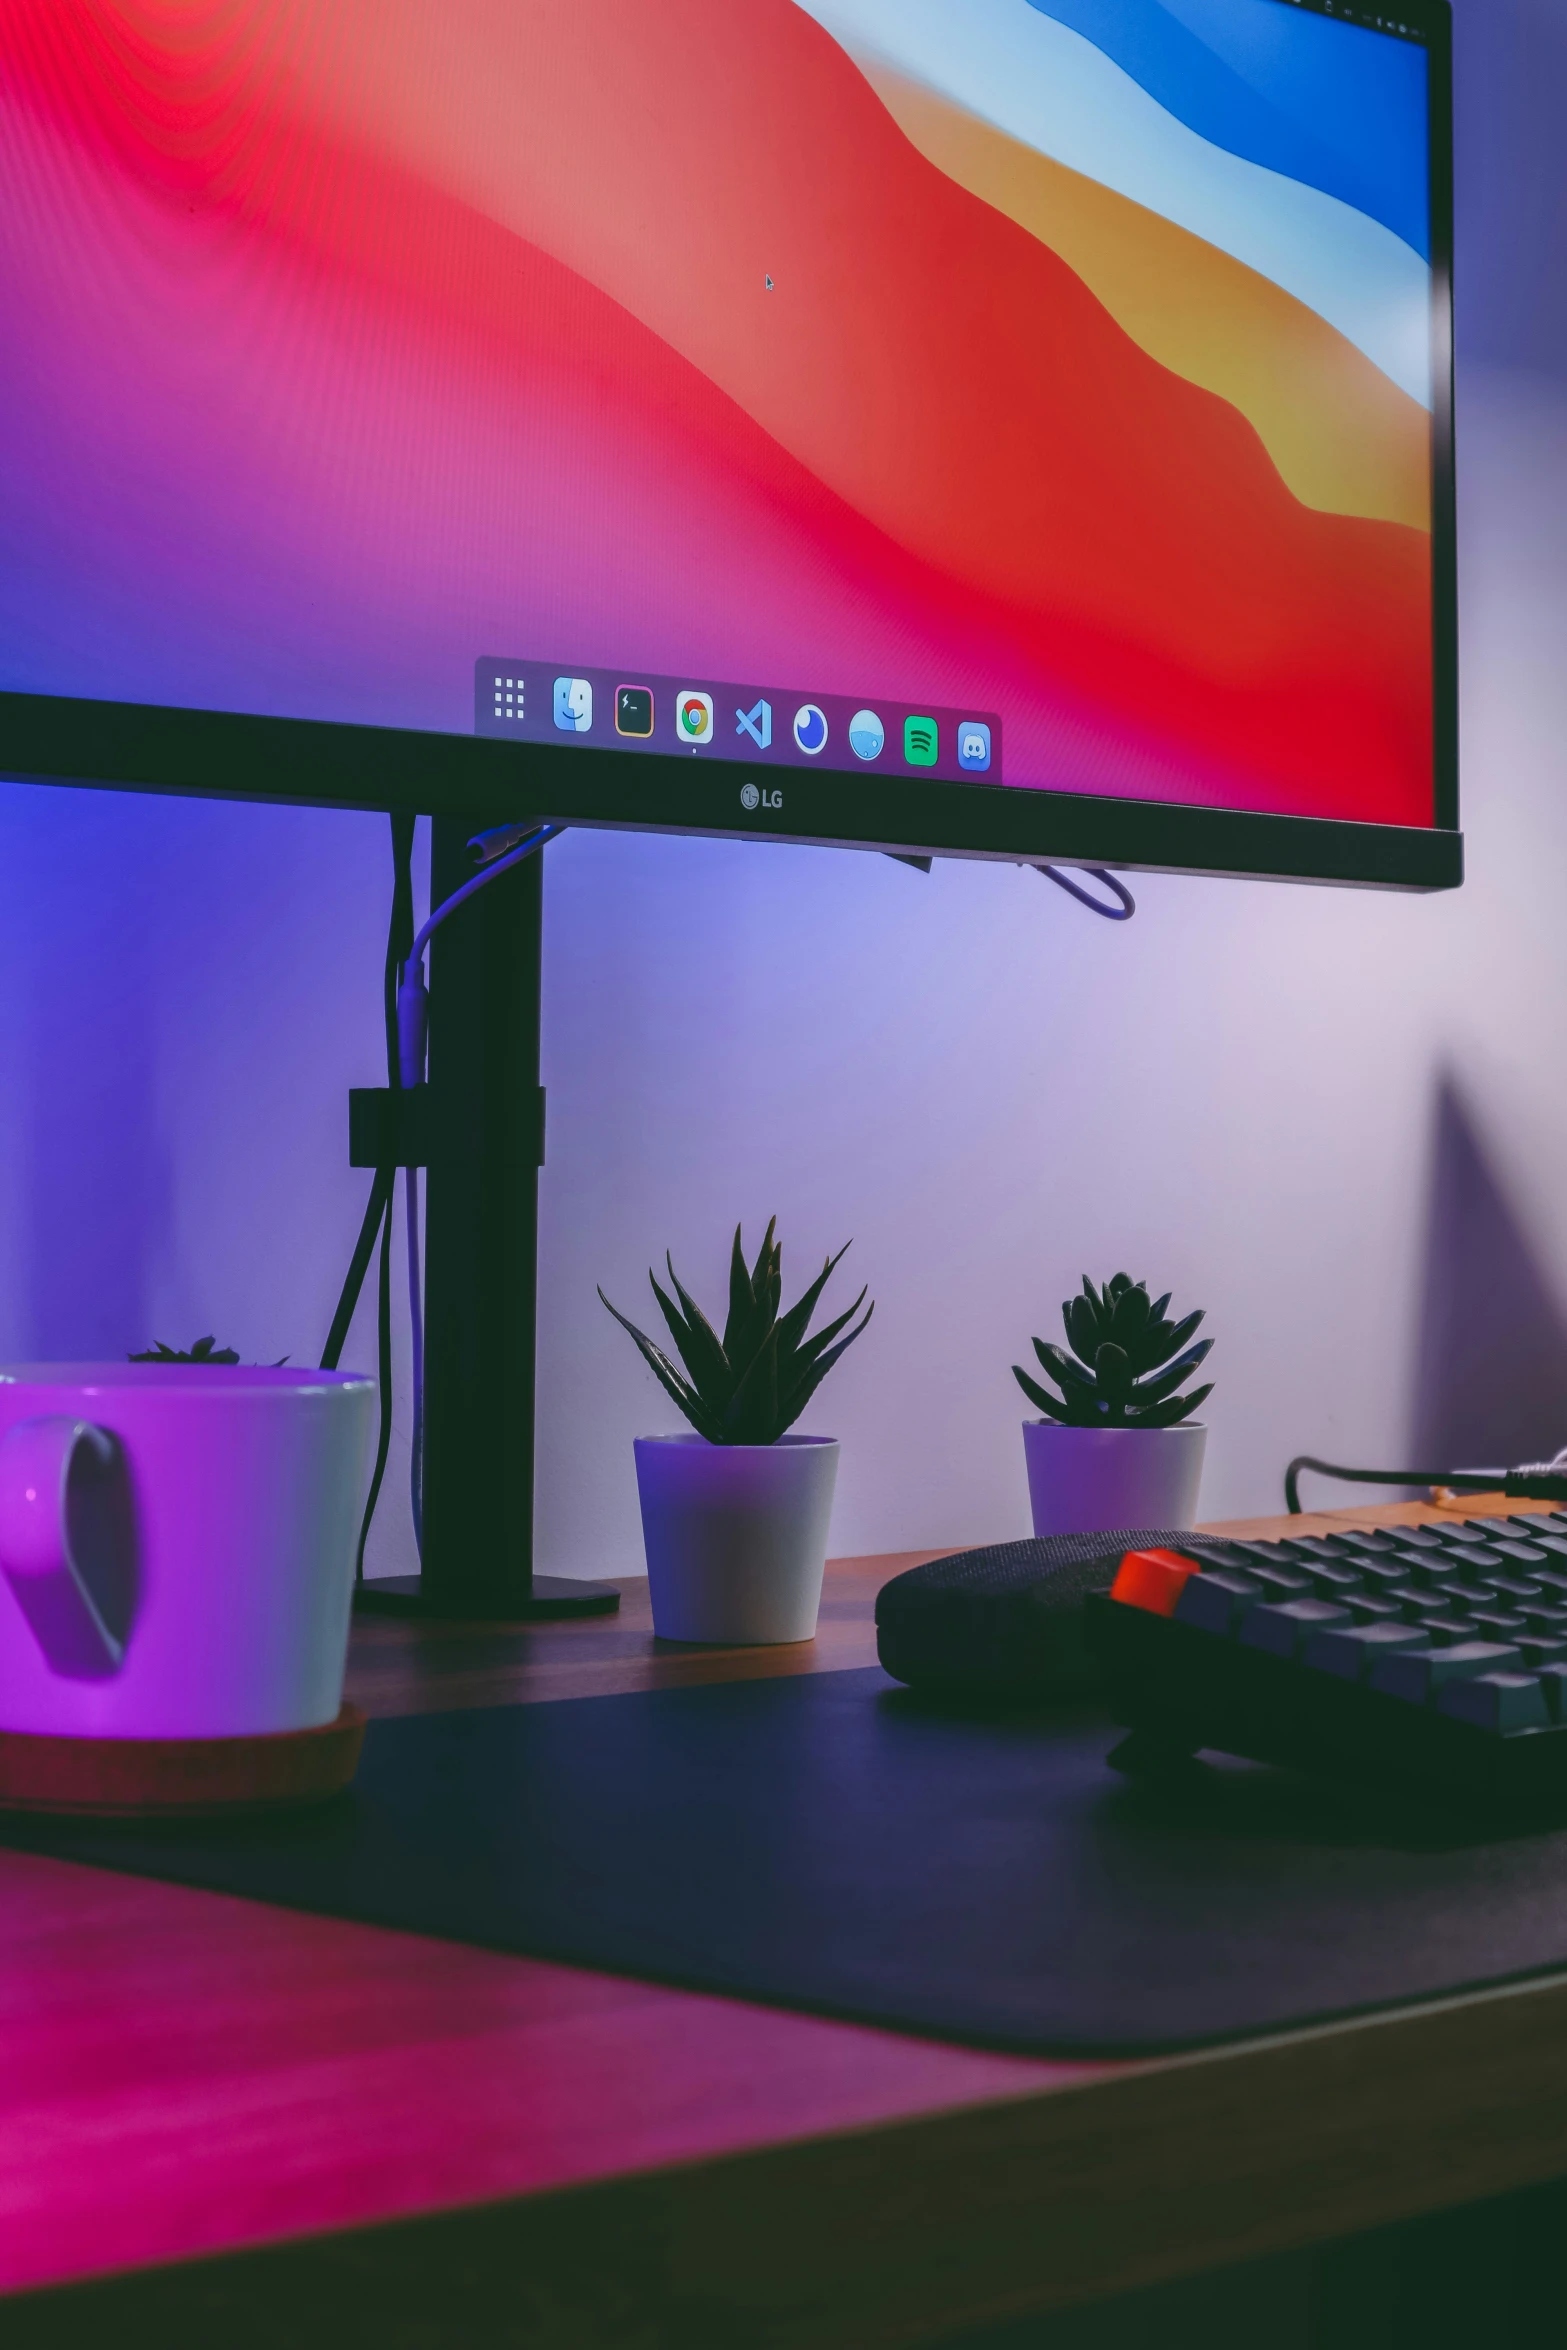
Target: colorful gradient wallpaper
x: 1067, y: 359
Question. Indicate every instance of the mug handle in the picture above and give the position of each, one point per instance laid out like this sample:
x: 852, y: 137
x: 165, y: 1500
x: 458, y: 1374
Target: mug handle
x: 67, y: 1542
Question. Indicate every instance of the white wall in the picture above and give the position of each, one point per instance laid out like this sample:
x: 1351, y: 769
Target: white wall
x: 990, y: 1091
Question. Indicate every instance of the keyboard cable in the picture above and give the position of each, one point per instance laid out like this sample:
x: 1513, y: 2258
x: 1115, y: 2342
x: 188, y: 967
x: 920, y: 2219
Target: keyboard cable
x: 1529, y: 1481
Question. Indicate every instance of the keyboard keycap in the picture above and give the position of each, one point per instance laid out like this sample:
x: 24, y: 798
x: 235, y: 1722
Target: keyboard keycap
x: 1495, y: 1623
x: 1476, y: 1556
x: 1351, y: 1651
x: 1501, y: 1702
x: 1209, y: 1551
x: 1524, y: 1554
x: 1430, y: 1568
x: 1447, y: 1631
x: 1152, y: 1580
x: 1263, y: 1554
x: 1418, y: 1604
x: 1284, y: 1629
x: 1318, y: 1546
x: 1332, y: 1577
x: 1462, y: 1530
x: 1553, y: 1681
x: 1216, y: 1601
x: 1378, y: 1573
x: 1280, y: 1582
x: 1536, y: 1653
x: 1416, y: 1674
x: 1417, y: 1537
x: 1369, y: 1607
x: 1512, y: 1587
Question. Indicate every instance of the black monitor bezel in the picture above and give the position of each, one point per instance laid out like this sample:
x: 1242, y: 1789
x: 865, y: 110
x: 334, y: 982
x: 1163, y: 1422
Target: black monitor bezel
x: 218, y: 754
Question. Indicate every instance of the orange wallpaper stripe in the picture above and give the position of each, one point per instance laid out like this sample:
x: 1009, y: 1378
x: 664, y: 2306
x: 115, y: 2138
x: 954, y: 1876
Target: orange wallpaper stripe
x: 1343, y: 436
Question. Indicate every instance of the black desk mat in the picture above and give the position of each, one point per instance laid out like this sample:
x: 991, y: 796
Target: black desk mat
x: 832, y: 1842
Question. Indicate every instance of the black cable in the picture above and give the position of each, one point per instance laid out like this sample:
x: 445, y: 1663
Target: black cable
x: 375, y: 1217
x: 399, y: 935
x: 1121, y: 912
x: 1536, y: 1480
x: 378, y: 1215
x: 399, y: 940
x: 383, y: 1331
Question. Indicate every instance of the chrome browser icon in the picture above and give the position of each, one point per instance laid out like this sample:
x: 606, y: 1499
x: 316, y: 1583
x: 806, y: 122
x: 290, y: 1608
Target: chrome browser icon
x: 693, y: 715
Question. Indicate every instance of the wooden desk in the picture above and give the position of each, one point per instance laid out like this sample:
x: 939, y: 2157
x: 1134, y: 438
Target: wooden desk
x: 233, y: 2124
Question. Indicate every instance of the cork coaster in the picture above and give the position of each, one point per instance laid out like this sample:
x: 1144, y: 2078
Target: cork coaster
x: 163, y: 1778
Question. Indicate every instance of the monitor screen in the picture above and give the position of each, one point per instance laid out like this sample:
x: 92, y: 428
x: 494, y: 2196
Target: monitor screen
x: 934, y: 422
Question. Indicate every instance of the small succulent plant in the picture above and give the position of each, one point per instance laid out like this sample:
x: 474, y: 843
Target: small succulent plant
x: 205, y: 1350
x: 752, y: 1384
x: 1126, y: 1361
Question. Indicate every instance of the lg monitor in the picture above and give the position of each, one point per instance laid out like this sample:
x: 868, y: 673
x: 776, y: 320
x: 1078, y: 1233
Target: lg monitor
x: 1002, y: 427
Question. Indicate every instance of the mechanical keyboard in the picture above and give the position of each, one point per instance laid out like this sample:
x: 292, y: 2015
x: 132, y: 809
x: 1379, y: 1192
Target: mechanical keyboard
x: 1431, y: 1656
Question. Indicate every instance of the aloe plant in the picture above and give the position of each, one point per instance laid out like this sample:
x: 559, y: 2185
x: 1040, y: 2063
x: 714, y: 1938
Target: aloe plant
x: 752, y: 1384
x: 1126, y: 1362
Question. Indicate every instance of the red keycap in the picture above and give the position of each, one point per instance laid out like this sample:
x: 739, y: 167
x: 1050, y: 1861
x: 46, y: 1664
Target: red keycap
x: 1152, y: 1579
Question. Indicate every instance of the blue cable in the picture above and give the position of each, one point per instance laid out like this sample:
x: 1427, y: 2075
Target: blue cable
x: 1122, y: 912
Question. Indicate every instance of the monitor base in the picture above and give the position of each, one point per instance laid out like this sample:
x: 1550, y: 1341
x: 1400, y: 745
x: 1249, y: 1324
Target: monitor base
x: 552, y: 1595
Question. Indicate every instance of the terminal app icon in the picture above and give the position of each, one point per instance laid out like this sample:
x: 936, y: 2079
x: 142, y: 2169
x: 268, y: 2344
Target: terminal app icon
x: 810, y: 729
x: 920, y: 741
x: 573, y: 705
x: 974, y: 745
x: 757, y: 722
x: 867, y: 735
x: 633, y: 709
x: 693, y: 715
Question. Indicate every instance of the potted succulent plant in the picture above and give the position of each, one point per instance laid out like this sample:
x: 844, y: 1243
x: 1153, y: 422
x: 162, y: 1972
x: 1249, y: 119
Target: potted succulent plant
x: 205, y: 1350
x: 734, y: 1516
x: 1117, y: 1445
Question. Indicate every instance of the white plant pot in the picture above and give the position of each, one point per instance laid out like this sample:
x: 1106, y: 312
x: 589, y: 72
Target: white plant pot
x: 1083, y: 1480
x: 736, y: 1535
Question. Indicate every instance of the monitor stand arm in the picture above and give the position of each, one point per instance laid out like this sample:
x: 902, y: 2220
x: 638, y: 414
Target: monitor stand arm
x: 486, y: 1122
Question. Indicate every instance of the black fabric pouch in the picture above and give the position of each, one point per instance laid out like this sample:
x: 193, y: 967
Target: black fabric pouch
x: 1006, y: 1620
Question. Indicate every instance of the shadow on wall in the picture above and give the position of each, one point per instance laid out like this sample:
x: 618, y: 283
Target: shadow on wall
x: 1491, y: 1372
x: 96, y: 1192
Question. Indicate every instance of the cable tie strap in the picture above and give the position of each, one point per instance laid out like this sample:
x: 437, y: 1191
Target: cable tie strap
x: 406, y: 1128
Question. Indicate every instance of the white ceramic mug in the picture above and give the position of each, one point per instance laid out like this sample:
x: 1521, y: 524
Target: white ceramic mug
x: 177, y: 1547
